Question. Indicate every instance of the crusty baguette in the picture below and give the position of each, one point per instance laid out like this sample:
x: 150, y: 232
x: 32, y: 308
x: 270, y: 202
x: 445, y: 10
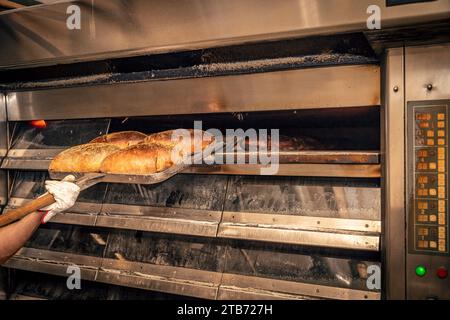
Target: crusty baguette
x: 165, y: 138
x: 142, y: 158
x: 122, y: 139
x: 83, y: 158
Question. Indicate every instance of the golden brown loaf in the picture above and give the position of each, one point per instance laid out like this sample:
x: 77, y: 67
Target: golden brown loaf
x: 122, y: 139
x: 83, y: 158
x: 138, y: 159
x: 165, y: 138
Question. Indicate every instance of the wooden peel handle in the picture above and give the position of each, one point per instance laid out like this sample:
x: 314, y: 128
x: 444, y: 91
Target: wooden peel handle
x: 30, y: 207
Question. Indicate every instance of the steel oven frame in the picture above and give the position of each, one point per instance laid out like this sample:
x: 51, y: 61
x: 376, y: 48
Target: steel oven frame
x: 44, y: 40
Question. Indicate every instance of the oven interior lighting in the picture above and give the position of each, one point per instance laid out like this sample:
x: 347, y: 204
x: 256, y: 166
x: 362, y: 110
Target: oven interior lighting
x: 40, y: 124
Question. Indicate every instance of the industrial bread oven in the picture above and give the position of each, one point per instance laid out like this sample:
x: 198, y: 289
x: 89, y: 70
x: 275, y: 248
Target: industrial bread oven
x: 330, y: 224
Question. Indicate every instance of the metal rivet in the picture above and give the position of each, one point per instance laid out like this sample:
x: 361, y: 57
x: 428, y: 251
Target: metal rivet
x: 430, y: 87
x: 396, y: 89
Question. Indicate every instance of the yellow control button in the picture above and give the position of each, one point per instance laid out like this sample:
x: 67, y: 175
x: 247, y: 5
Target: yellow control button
x: 433, y: 218
x: 441, y: 124
x: 422, y: 205
x: 442, y: 245
x: 422, y: 244
x: 423, y: 153
x: 430, y: 133
x: 433, y: 244
x: 423, y: 116
x: 430, y: 142
x: 422, y: 218
x: 423, y: 179
x: 441, y: 232
x: 441, y: 116
x: 441, y: 218
x: 441, y: 133
x: 441, y: 142
x: 432, y: 165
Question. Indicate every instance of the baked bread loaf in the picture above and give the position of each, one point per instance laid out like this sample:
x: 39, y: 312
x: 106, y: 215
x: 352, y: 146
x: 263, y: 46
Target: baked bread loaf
x: 142, y: 158
x: 83, y: 158
x: 168, y: 139
x: 122, y: 139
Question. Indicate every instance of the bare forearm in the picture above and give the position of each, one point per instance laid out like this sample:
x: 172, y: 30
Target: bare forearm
x: 14, y: 236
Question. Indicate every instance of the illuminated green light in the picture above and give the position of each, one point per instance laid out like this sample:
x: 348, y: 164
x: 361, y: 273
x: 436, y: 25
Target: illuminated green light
x: 421, y: 271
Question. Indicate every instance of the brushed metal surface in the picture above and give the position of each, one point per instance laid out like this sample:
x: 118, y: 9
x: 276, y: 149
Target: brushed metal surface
x: 52, y: 262
x: 330, y: 87
x: 233, y: 293
x: 427, y: 65
x: 303, y: 237
x: 3, y: 149
x: 176, y: 280
x: 295, y: 170
x: 47, y: 267
x: 3, y: 131
x: 301, y: 156
x: 302, y: 289
x: 39, y: 35
x: 277, y: 221
x: 393, y: 159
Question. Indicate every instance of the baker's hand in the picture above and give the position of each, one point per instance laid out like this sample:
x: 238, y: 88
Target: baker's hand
x: 65, y: 193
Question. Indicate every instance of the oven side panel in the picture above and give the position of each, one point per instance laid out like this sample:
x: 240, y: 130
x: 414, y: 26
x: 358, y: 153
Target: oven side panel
x: 3, y: 149
x: 427, y: 77
x: 393, y: 158
x: 3, y: 179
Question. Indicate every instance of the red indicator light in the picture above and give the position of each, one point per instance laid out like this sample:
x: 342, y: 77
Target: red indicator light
x: 442, y: 273
x: 40, y: 124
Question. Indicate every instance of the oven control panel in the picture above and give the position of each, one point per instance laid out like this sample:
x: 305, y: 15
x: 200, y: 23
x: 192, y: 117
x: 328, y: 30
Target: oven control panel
x: 428, y: 200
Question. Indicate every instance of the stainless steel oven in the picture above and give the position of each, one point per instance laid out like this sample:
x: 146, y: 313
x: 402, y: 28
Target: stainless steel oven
x: 329, y: 225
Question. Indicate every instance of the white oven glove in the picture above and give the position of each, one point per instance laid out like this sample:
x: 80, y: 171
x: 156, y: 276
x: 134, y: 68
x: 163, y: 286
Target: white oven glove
x: 65, y: 193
